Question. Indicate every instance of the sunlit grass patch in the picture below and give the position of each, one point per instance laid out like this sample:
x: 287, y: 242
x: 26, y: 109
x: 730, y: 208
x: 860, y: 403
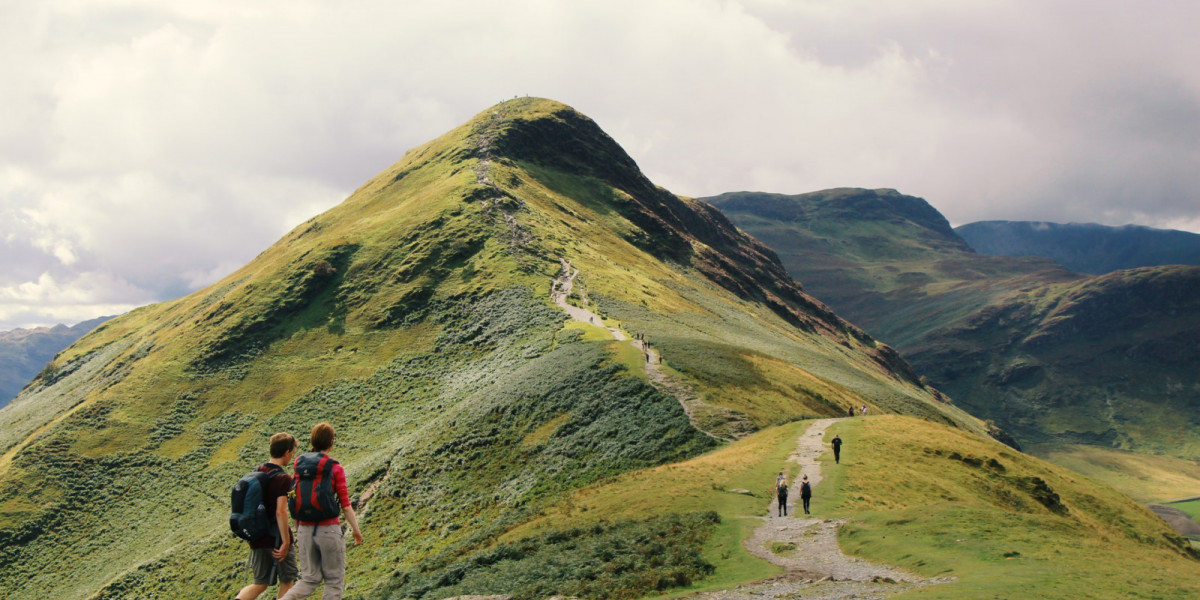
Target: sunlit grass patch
x: 942, y: 503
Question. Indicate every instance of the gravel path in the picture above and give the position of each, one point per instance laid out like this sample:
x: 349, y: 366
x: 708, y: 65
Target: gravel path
x: 714, y: 421
x: 807, y: 548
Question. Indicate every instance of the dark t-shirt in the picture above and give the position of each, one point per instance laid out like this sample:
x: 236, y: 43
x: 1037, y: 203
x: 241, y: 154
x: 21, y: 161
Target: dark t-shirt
x: 837, y: 443
x: 783, y: 492
x: 279, y: 484
x: 805, y: 490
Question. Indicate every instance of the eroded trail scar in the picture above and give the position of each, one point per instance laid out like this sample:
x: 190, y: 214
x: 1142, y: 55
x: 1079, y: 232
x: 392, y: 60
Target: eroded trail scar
x: 716, y: 422
x: 807, y: 548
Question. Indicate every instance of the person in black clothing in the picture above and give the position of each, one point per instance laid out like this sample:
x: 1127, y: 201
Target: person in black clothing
x: 837, y: 449
x: 273, y: 560
x: 851, y: 411
x: 805, y: 492
x: 782, y: 492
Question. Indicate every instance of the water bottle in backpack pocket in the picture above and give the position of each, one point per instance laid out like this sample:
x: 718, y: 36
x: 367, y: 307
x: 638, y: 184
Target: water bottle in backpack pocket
x: 249, y: 518
x: 314, y: 499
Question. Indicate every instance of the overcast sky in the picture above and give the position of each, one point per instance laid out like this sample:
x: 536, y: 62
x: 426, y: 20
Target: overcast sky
x: 150, y: 147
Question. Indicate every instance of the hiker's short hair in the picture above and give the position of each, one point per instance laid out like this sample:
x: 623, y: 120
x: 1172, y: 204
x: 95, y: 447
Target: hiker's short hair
x: 281, y: 443
x: 322, y: 437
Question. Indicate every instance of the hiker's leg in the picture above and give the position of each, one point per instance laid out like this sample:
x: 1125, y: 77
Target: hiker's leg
x: 251, y: 591
x: 289, y: 572
x: 310, y: 565
x: 333, y: 560
x: 260, y: 566
x: 284, y: 588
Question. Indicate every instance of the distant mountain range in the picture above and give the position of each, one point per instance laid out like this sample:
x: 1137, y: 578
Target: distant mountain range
x: 25, y: 352
x: 1084, y: 247
x: 1053, y: 356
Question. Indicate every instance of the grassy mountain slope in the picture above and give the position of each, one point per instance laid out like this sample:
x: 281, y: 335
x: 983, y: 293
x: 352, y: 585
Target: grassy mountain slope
x: 25, y: 352
x: 935, y: 500
x: 416, y: 318
x: 1052, y: 356
x: 1085, y: 247
x: 1004, y: 524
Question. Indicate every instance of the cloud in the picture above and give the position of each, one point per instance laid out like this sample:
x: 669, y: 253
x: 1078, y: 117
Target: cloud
x: 165, y: 143
x: 47, y: 301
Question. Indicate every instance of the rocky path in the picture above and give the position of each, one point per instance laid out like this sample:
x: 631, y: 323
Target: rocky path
x: 807, y: 548
x: 703, y: 416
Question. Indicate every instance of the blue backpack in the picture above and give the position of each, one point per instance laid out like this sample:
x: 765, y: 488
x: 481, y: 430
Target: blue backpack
x: 249, y: 517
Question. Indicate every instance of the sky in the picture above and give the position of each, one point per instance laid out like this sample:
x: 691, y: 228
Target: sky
x: 150, y: 147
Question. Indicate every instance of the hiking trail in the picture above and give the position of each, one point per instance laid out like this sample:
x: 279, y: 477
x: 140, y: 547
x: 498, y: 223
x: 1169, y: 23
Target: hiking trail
x: 816, y: 568
x: 703, y: 416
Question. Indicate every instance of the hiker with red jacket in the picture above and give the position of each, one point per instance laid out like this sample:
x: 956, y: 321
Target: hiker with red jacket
x: 319, y: 491
x: 273, y: 558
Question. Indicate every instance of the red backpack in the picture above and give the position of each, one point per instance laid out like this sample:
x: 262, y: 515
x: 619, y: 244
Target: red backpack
x: 314, y: 499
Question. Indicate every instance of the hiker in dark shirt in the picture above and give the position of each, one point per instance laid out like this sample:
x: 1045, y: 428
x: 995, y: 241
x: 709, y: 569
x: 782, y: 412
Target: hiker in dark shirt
x: 837, y: 449
x: 782, y: 496
x: 851, y: 411
x: 274, y: 558
x: 805, y: 492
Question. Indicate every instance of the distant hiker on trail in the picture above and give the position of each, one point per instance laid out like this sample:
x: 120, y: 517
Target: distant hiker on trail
x: 781, y: 494
x: 780, y: 480
x: 837, y: 449
x: 864, y: 409
x: 852, y: 411
x: 273, y: 558
x: 805, y: 492
x: 322, y: 543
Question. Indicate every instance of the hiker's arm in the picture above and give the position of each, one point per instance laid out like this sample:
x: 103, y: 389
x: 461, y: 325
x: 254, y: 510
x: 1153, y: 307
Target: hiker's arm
x: 352, y: 518
x: 285, y: 532
x: 339, y: 485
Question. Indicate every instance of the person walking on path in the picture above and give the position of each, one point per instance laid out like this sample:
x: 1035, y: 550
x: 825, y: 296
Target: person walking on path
x: 322, y: 543
x: 805, y: 492
x: 781, y: 493
x: 851, y: 411
x: 273, y: 559
x: 837, y: 449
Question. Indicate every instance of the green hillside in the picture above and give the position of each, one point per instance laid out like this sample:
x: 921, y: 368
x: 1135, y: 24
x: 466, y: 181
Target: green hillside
x: 416, y: 317
x: 933, y: 500
x: 1058, y: 359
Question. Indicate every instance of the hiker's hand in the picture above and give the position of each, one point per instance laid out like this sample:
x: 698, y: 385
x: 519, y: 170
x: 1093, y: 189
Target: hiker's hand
x: 280, y: 553
x: 357, y: 537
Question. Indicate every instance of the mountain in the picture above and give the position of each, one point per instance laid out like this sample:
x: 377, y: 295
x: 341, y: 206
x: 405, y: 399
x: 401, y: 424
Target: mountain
x: 426, y: 318
x: 25, y: 352
x: 1057, y: 358
x: 1085, y: 247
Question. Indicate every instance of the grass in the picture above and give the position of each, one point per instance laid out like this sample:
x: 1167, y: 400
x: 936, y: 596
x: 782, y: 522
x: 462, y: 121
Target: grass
x: 1148, y: 479
x: 708, y: 482
x: 1191, y: 507
x: 941, y: 503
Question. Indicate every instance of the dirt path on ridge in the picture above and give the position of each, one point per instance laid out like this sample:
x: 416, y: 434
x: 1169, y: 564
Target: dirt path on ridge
x: 714, y: 421
x: 815, y: 566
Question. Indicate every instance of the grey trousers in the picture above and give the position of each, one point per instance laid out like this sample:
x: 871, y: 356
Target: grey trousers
x: 322, y: 558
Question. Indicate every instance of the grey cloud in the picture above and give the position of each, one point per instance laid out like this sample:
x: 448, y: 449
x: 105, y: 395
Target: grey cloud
x: 168, y: 142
